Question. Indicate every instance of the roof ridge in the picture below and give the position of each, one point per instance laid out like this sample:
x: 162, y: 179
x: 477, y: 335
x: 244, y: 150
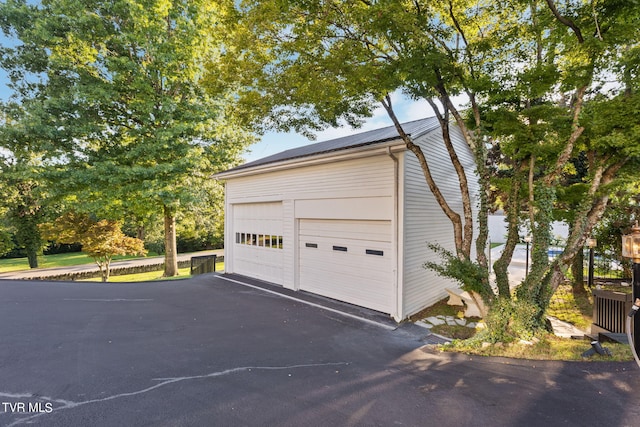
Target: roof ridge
x: 415, y: 128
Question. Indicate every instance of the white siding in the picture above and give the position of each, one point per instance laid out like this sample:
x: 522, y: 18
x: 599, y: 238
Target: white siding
x: 423, y: 219
x: 289, y: 232
x: 350, y: 189
x: 366, y: 177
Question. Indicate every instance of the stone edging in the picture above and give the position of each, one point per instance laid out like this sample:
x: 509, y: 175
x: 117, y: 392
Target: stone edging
x: 115, y: 271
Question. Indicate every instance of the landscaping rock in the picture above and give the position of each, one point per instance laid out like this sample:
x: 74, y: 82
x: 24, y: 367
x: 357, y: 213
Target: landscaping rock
x: 435, y: 320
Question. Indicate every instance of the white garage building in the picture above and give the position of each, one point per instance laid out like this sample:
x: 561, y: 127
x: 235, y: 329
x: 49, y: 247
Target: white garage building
x: 348, y: 218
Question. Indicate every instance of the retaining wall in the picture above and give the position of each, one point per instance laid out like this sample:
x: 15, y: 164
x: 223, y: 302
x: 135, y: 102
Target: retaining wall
x: 115, y: 271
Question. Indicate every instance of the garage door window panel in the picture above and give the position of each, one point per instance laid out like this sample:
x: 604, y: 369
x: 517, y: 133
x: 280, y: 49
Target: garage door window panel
x: 259, y: 240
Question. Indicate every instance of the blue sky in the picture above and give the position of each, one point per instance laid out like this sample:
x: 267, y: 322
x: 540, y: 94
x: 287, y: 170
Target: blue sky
x: 406, y: 110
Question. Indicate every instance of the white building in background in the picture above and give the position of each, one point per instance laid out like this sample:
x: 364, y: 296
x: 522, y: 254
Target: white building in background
x: 498, y: 229
x: 348, y: 218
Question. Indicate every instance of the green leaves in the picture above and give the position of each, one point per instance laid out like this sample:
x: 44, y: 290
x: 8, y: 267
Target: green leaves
x: 121, y: 111
x: 613, y: 125
x: 101, y: 239
x: 110, y: 97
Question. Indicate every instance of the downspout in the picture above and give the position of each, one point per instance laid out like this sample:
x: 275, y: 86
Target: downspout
x: 397, y: 308
x: 229, y: 240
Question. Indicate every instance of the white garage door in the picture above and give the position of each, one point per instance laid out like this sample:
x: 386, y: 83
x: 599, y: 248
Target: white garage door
x: 348, y: 260
x: 258, y: 242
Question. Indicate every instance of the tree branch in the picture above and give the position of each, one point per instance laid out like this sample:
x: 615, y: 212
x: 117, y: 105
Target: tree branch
x: 586, y: 219
x: 565, y: 21
x: 575, y: 134
x: 435, y: 190
x: 460, y: 172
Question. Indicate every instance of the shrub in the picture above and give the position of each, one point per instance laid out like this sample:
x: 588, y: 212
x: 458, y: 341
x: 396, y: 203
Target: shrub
x: 509, y: 320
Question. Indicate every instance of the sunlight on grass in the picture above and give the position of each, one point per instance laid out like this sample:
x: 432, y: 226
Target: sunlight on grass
x: 13, y: 264
x: 549, y: 347
x: 565, y: 307
x: 57, y: 260
x: 184, y: 273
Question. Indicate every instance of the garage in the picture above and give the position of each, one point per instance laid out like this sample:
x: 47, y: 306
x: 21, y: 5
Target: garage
x: 348, y: 218
x: 348, y: 260
x: 258, y: 240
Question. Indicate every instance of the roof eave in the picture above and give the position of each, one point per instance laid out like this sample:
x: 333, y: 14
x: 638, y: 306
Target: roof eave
x: 366, y: 150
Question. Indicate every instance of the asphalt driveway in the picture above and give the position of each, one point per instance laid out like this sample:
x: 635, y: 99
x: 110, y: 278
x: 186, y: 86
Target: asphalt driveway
x: 210, y: 352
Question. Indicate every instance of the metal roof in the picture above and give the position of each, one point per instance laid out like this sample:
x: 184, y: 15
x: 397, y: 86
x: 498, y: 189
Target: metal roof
x: 414, y: 128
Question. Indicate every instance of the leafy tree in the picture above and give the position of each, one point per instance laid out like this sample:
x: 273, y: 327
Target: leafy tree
x: 101, y: 240
x: 203, y: 226
x: 25, y: 215
x: 563, y: 134
x: 22, y: 189
x: 115, y: 98
x: 23, y: 195
x: 198, y: 228
x: 528, y: 69
x: 6, y: 242
x: 616, y: 221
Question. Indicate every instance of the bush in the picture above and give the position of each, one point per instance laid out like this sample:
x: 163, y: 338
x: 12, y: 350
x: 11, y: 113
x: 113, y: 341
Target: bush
x: 6, y: 243
x: 195, y: 244
x: 62, y: 248
x: 155, y: 246
x: 510, y: 320
x: 469, y: 274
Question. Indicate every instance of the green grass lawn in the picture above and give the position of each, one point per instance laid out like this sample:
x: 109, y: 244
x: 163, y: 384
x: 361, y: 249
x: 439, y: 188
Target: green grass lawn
x: 564, y: 305
x: 184, y: 273
x: 51, y: 261
x: 79, y: 258
x: 574, y: 309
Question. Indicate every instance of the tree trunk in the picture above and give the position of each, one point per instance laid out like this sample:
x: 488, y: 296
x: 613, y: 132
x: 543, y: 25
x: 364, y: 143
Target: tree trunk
x: 105, y: 273
x: 501, y: 265
x: 26, y: 214
x: 453, y: 216
x: 104, y: 270
x: 577, y: 271
x: 171, y: 250
x: 483, y: 212
x: 28, y: 235
x: 32, y: 257
x: 443, y: 119
x: 585, y: 220
x: 141, y: 232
